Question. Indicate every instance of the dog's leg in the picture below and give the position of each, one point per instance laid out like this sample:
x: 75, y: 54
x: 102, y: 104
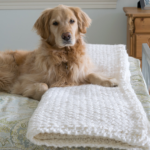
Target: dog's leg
x: 95, y: 78
x: 6, y: 80
x: 32, y: 90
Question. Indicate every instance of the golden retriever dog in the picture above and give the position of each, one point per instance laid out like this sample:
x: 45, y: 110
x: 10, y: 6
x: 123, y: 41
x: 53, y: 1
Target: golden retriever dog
x: 59, y: 61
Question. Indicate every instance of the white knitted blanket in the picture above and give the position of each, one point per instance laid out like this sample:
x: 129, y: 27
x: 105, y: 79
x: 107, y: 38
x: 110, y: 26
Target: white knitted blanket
x: 92, y: 115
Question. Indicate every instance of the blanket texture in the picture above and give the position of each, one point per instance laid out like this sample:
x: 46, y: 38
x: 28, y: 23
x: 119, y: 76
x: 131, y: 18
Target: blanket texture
x: 92, y: 115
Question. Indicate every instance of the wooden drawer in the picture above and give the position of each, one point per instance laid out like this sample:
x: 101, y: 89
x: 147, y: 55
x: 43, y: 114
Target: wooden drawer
x: 142, y: 25
x: 140, y: 39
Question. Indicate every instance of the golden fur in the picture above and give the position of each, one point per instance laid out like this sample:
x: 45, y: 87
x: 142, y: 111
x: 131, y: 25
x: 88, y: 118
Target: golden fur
x: 56, y: 63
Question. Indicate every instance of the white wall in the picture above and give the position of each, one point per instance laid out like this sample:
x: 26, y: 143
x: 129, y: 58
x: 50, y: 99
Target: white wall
x: 108, y: 27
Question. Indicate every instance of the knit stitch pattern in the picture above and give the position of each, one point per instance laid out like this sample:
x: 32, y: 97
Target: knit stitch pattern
x: 92, y: 115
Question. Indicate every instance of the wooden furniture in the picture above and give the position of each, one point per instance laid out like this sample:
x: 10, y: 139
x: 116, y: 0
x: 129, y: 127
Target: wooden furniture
x: 138, y: 30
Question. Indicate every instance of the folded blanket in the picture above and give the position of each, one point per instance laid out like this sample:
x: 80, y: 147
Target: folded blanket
x: 92, y: 115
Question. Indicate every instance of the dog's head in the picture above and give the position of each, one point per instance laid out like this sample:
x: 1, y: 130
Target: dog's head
x: 62, y: 26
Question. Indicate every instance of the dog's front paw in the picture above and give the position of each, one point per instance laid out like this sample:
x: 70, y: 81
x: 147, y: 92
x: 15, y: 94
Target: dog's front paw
x: 35, y: 90
x: 110, y: 83
x: 114, y: 82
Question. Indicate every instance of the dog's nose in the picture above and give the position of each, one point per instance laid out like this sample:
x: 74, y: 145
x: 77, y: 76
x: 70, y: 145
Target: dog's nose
x: 66, y: 36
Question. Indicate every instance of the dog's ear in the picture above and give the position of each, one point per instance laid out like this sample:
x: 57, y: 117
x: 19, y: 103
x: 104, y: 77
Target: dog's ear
x: 83, y: 19
x: 42, y: 24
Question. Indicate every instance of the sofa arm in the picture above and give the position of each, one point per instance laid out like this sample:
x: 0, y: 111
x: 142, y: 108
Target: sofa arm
x: 146, y: 64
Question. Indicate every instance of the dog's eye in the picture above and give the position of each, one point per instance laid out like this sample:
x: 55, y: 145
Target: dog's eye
x: 72, y: 21
x: 55, y: 23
